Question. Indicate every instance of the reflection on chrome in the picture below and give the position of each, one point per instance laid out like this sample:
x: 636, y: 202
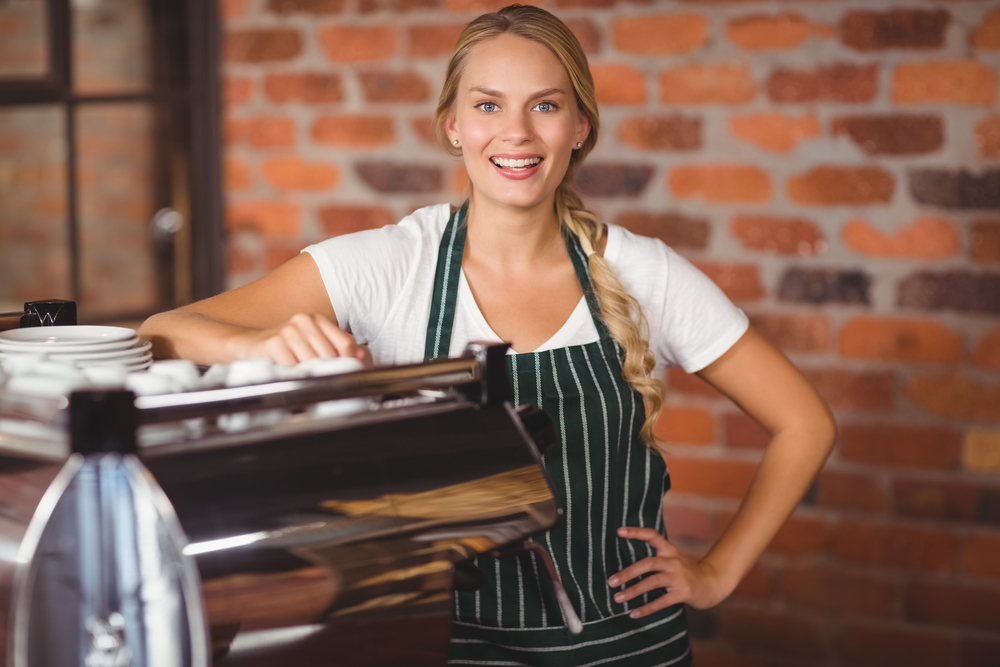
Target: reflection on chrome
x: 223, y: 543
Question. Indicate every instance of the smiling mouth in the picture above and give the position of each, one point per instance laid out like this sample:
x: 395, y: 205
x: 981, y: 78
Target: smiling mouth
x: 516, y: 165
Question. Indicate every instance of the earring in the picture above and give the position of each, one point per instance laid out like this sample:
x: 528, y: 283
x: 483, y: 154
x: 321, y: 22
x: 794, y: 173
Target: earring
x: 579, y: 144
x: 454, y: 141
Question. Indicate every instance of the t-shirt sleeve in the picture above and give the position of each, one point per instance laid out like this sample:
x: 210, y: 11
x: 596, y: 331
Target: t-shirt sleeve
x: 364, y: 273
x: 691, y: 322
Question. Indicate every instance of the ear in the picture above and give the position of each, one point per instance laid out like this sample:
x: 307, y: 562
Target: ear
x: 583, y: 128
x: 449, y: 126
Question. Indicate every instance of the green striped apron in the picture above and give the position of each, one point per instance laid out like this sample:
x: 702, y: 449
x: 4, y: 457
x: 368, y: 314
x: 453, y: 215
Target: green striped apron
x: 604, y: 477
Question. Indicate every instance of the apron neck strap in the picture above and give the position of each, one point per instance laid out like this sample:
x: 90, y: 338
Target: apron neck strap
x: 449, y: 269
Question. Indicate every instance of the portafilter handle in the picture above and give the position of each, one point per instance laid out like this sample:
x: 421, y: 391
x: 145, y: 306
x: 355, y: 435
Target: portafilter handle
x: 569, y: 614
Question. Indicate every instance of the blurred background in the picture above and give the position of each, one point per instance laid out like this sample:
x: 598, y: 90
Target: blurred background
x: 833, y: 165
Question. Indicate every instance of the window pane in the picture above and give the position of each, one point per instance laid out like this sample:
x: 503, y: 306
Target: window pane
x: 23, y: 39
x: 117, y: 197
x: 34, y: 249
x: 111, y: 46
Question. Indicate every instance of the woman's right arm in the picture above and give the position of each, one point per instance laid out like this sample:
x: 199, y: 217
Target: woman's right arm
x: 285, y: 316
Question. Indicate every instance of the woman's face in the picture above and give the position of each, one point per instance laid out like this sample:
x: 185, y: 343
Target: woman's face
x: 516, y: 120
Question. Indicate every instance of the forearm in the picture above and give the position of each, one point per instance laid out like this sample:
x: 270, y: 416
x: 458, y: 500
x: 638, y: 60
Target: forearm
x: 187, y: 334
x: 788, y: 467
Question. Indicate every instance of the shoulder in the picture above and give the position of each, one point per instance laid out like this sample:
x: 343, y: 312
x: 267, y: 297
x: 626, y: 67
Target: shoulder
x: 630, y: 253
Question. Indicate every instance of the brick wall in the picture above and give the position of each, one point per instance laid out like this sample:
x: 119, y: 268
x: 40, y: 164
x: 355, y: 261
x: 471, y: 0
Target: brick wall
x: 834, y: 167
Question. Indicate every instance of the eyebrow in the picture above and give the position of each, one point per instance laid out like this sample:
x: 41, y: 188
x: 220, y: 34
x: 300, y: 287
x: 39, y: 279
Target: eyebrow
x: 497, y: 93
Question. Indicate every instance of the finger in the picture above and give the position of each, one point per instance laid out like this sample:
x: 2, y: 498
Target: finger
x: 343, y: 342
x: 365, y: 355
x: 639, y: 568
x: 296, y: 341
x: 278, y: 351
x: 314, y: 336
x: 654, y: 581
x: 651, y: 537
x: 656, y: 605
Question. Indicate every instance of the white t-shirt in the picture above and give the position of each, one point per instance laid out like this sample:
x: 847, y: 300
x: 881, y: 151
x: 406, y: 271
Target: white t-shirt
x: 380, y: 283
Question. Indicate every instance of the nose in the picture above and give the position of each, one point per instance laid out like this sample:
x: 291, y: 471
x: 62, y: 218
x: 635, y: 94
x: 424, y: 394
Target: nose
x: 517, y: 129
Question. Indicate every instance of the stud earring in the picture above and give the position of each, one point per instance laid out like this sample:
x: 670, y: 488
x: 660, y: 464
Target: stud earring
x: 579, y: 144
x: 454, y: 141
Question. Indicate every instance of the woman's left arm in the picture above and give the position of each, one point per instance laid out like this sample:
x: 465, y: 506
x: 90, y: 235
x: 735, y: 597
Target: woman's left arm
x: 769, y: 388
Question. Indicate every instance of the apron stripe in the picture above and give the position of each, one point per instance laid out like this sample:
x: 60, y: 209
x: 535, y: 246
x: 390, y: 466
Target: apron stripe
x: 606, y: 486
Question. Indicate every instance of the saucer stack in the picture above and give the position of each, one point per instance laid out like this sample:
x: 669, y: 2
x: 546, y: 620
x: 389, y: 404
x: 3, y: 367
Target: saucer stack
x: 79, y: 346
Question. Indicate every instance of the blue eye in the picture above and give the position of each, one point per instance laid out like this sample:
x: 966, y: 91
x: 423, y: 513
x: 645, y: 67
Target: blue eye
x: 488, y: 107
x: 545, y: 107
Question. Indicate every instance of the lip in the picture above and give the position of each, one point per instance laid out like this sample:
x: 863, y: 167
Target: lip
x: 516, y: 174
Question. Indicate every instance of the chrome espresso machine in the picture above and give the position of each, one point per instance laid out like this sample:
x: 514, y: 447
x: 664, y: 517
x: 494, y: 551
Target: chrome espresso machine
x: 137, y: 532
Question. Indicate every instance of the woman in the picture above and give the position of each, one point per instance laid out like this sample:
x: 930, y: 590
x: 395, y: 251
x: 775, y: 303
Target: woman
x: 589, y: 310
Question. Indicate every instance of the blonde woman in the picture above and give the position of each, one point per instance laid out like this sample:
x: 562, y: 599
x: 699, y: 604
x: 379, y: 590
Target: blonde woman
x: 590, y: 310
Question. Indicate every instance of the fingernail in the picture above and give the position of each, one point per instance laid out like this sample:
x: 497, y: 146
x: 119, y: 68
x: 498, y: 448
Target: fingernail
x: 635, y: 614
x: 613, y: 581
x: 620, y: 597
x: 622, y: 532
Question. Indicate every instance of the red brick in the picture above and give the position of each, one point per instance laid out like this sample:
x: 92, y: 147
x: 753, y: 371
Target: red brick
x: 710, y: 656
x: 773, y: 33
x: 720, y: 183
x: 752, y: 629
x: 369, y: 6
x: 837, y: 186
x: 955, y: 396
x: 661, y: 132
x: 618, y: 84
x: 982, y: 555
x: 743, y: 432
x: 988, y: 137
x: 262, y: 45
x: 894, y: 546
x: 894, y: 134
x: 236, y: 174
x: 793, y: 333
x: 276, y: 254
x: 480, y: 6
x: 233, y: 9
x: 774, y: 131
x: 987, y: 351
x: 986, y: 36
x: 236, y: 90
x: 980, y: 652
x: 348, y: 44
x: 270, y: 218
x: 391, y: 177
x: 430, y: 41
x: 728, y: 83
x: 306, y: 6
x: 587, y: 33
x: 423, y: 128
x: 961, y: 81
x: 394, y: 86
x: 850, y: 492
x: 354, y: 131
x: 898, y: 445
x: 688, y: 383
x: 261, y: 131
x: 985, y: 243
x: 954, y: 605
x: 801, y: 536
x: 660, y: 34
x: 895, y: 647
x: 784, y: 236
x: 926, y: 238
x: 674, y: 229
x: 834, y: 590
x: 295, y: 174
x: 689, y: 523
x: 711, y: 477
x: 894, y: 29
x: 692, y: 426
x: 925, y: 341
x: 929, y: 499
x: 740, y: 282
x: 841, y: 82
x: 757, y: 583
x: 337, y: 220
x: 309, y: 87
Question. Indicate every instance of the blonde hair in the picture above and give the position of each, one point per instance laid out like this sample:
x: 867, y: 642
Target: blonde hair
x: 620, y: 311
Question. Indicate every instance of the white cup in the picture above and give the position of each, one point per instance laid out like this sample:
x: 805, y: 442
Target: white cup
x: 249, y: 371
x: 181, y: 371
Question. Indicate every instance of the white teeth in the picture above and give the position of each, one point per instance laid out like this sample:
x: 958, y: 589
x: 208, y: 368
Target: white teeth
x: 516, y: 164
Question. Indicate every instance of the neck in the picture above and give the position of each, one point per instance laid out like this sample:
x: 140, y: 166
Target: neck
x: 512, y: 235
